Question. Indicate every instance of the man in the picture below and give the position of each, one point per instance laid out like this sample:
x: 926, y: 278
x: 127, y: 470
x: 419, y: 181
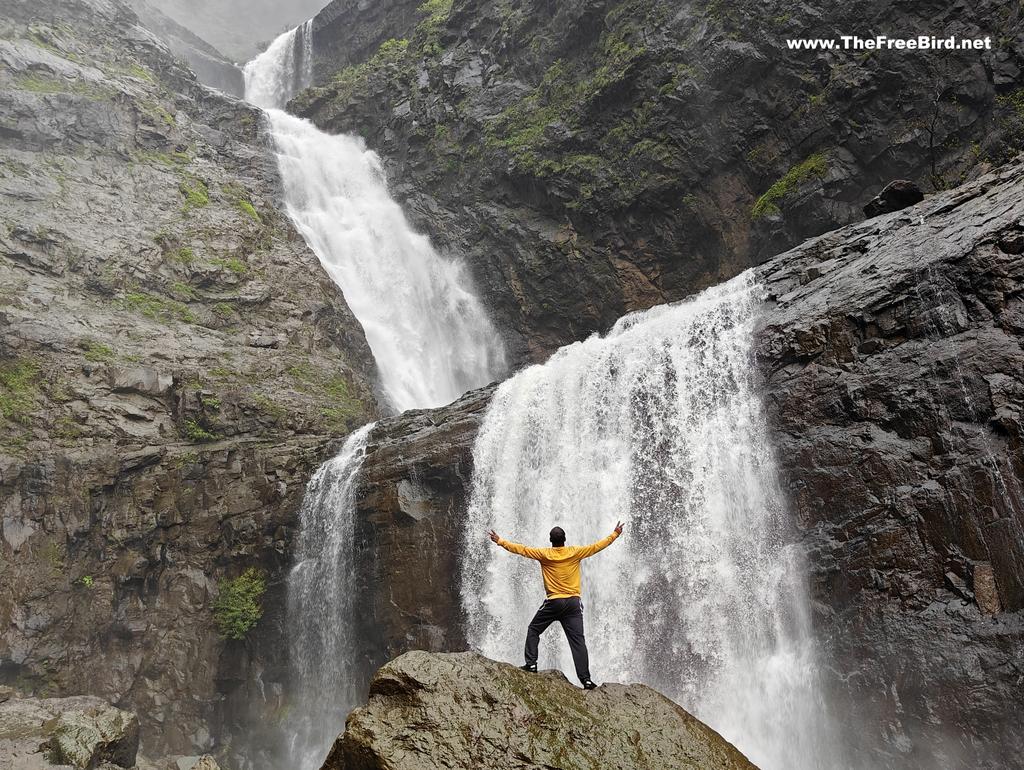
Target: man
x: 560, y: 568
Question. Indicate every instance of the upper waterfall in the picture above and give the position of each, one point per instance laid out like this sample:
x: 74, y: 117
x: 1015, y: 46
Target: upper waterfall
x: 284, y: 69
x: 658, y: 424
x: 428, y: 331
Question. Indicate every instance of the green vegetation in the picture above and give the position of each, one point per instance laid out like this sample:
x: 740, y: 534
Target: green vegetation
x: 158, y: 308
x: 185, y: 255
x: 85, y: 581
x: 41, y: 84
x: 812, y: 167
x: 196, y: 433
x: 238, y: 606
x: 389, y: 54
x: 224, y: 310
x: 343, y: 406
x: 210, y: 402
x: 249, y: 210
x: 233, y: 264
x: 19, y: 388
x: 170, y: 159
x: 66, y: 429
x: 196, y: 194
x: 97, y: 352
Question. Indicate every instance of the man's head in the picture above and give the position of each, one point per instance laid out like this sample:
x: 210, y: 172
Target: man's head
x: 557, y: 536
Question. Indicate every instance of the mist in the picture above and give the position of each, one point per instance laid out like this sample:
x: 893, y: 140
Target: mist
x: 239, y: 30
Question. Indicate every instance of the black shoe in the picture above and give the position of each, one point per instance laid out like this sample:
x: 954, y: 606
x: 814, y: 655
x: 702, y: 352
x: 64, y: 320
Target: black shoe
x: 531, y: 667
x: 589, y: 685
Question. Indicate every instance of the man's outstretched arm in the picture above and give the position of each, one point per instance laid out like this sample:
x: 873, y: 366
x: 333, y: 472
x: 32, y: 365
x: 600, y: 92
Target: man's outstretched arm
x: 589, y: 550
x: 522, y: 550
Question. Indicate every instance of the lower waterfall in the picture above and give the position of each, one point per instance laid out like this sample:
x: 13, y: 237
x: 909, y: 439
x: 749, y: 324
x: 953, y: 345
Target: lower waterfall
x: 320, y: 606
x: 658, y: 424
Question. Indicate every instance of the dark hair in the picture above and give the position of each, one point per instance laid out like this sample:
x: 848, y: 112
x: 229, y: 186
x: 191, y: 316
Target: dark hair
x: 557, y: 536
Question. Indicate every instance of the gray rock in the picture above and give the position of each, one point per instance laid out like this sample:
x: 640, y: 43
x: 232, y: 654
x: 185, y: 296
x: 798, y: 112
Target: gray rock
x: 80, y: 732
x: 463, y: 711
x: 894, y: 197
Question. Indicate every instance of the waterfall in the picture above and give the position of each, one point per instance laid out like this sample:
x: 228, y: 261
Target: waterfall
x: 320, y: 605
x: 658, y: 424
x: 428, y: 331
x: 284, y: 69
x: 431, y: 340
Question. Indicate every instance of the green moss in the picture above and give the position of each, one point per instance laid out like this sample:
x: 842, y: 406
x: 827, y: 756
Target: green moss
x: 249, y: 210
x: 157, y: 308
x: 436, y: 10
x: 171, y: 159
x: 210, y: 402
x: 238, y: 606
x: 196, y: 194
x: 224, y: 310
x: 197, y: 433
x: 183, y: 291
x: 41, y: 84
x: 185, y: 255
x: 236, y: 266
x: 19, y: 389
x: 97, y: 351
x: 812, y: 167
x: 66, y: 429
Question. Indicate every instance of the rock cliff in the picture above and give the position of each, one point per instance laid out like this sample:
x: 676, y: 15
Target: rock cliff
x: 592, y: 157
x: 462, y: 710
x: 173, y: 365
x: 890, y: 353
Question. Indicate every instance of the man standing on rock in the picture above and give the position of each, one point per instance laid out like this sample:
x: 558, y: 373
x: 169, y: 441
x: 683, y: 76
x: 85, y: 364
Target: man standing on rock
x: 560, y: 568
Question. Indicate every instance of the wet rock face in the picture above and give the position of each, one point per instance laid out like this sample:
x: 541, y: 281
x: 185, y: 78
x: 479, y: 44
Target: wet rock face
x: 895, y: 376
x: 894, y: 196
x: 152, y: 442
x: 462, y: 710
x: 891, y: 354
x: 592, y: 157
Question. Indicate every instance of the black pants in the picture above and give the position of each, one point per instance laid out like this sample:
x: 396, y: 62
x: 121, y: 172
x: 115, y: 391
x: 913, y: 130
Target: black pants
x: 568, y: 612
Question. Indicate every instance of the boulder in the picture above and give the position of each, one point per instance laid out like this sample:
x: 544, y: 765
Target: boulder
x: 461, y: 710
x: 894, y: 196
x: 80, y: 732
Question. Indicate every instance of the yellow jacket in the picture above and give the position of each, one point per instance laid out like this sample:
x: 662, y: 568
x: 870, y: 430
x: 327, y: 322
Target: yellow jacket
x: 560, y: 566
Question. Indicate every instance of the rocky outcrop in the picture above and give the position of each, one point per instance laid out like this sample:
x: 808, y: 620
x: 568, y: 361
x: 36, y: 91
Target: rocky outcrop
x: 893, y: 375
x: 894, y: 372
x: 82, y: 732
x: 202, y: 58
x: 592, y: 157
x: 174, y: 363
x: 462, y: 710
x: 894, y: 196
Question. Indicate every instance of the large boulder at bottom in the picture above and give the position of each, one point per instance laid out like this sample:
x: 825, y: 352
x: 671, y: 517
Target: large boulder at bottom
x: 461, y: 710
x: 78, y: 732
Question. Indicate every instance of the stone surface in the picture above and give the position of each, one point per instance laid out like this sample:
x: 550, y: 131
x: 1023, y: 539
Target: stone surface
x: 202, y: 58
x: 592, y: 157
x: 462, y: 710
x: 79, y: 732
x: 891, y: 354
x: 894, y: 196
x: 147, y: 451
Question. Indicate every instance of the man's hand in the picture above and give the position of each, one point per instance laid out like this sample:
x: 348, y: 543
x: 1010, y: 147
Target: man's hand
x: 618, y: 528
x: 494, y: 536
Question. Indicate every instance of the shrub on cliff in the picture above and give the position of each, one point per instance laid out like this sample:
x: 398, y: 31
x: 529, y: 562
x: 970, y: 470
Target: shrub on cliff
x: 237, y: 607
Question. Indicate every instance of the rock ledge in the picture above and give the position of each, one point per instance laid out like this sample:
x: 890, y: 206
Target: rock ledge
x: 461, y: 710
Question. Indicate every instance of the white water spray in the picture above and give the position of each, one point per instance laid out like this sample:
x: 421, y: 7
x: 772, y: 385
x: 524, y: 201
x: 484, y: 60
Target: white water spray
x: 284, y: 69
x: 658, y: 424
x: 321, y: 596
x: 428, y: 331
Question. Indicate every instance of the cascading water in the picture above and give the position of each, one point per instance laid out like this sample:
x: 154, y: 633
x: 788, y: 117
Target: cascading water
x: 320, y: 605
x: 658, y: 424
x: 428, y: 331
x: 430, y: 338
x: 284, y: 69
